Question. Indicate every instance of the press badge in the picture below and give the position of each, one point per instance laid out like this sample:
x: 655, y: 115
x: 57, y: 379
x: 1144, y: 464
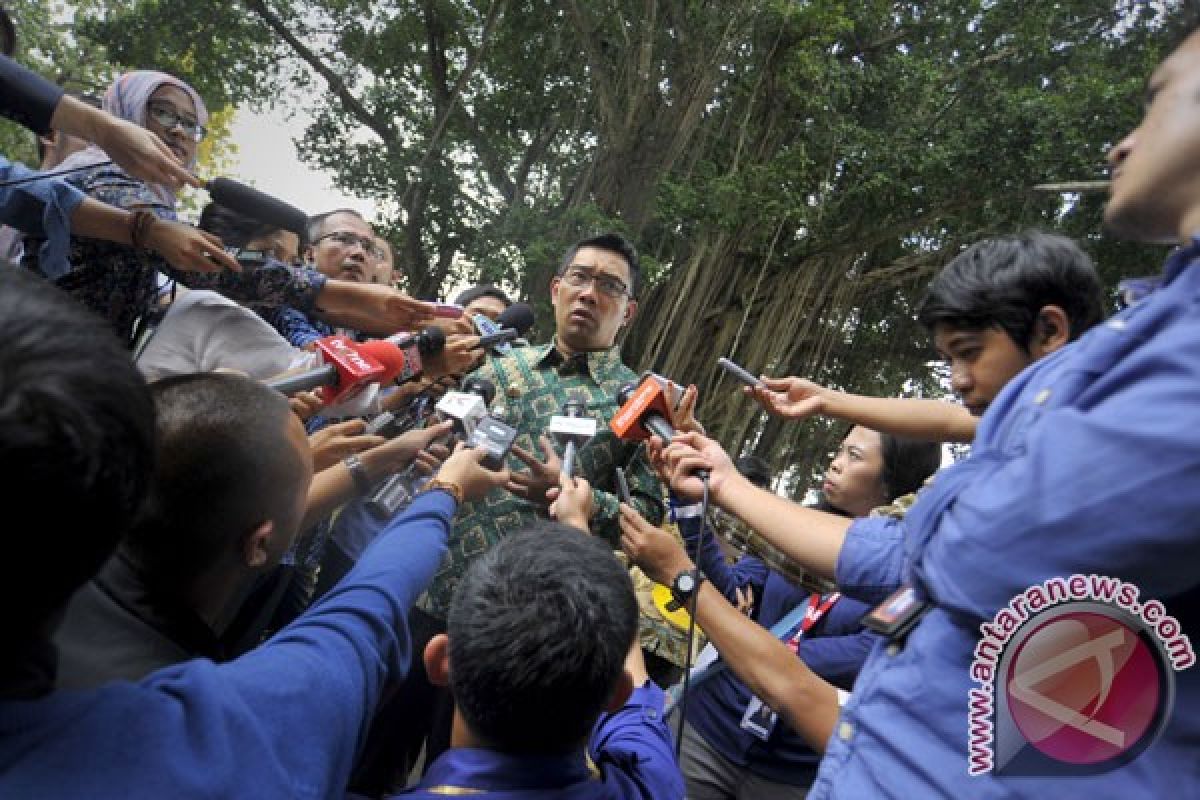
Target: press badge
x: 897, y: 615
x: 759, y: 719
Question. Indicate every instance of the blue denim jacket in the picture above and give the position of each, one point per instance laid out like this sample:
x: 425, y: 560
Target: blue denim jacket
x: 1087, y: 463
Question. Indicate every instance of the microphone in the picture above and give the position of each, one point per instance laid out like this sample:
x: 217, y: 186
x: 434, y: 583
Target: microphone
x: 465, y: 409
x: 512, y: 323
x: 259, y: 205
x: 644, y: 412
x: 348, y: 366
x: 416, y: 346
x: 573, y: 430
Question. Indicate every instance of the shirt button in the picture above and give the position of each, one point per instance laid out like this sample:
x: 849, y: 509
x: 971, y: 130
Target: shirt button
x: 845, y: 731
x: 892, y: 649
x: 1042, y: 397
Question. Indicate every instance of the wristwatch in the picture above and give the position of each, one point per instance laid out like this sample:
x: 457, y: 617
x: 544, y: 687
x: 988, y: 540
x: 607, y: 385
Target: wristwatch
x: 685, y: 586
x: 452, y: 488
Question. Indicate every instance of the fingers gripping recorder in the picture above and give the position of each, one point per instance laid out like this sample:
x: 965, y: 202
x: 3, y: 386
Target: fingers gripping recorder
x: 645, y: 411
x: 572, y: 430
x: 467, y: 409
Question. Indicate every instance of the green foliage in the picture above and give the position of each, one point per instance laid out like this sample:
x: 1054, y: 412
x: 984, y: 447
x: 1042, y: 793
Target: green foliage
x: 794, y: 172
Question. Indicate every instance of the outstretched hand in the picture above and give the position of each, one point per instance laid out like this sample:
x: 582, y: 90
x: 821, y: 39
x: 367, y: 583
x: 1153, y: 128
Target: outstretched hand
x: 679, y: 462
x: 464, y: 469
x: 790, y: 398
x: 660, y: 555
x: 571, y: 502
x: 189, y: 249
x: 542, y: 476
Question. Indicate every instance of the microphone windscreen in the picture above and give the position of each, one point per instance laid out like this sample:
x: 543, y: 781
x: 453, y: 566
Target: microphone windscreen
x: 388, y: 354
x: 518, y: 316
x: 431, y: 341
x: 259, y: 205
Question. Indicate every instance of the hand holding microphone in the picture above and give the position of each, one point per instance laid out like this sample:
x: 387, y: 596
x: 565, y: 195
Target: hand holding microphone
x: 572, y: 429
x: 514, y: 322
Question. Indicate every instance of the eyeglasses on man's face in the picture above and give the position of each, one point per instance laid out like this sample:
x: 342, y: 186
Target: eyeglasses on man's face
x: 168, y: 117
x: 580, y: 277
x: 349, y: 239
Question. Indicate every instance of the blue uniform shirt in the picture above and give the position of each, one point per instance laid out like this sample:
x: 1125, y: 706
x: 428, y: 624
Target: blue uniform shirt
x: 39, y: 208
x: 1088, y: 462
x: 285, y: 720
x: 631, y: 750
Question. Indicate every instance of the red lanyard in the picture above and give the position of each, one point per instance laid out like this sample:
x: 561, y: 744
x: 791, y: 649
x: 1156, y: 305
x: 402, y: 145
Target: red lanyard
x: 812, y: 615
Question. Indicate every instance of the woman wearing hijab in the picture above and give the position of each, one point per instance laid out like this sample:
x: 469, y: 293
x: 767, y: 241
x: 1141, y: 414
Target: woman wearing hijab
x: 121, y: 282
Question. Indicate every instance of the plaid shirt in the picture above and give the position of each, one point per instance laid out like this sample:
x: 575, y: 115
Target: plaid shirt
x: 532, y: 384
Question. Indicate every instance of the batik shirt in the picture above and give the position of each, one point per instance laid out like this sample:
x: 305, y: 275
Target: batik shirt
x: 120, y: 283
x: 532, y: 385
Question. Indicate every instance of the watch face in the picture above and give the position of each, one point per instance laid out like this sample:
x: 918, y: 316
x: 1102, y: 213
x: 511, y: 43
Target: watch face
x: 686, y: 582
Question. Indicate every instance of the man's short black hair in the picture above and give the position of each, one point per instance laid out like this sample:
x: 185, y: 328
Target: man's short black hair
x: 539, y: 631
x: 316, y: 225
x: 1004, y: 282
x: 76, y: 445
x: 468, y: 296
x: 614, y: 243
x: 223, y: 469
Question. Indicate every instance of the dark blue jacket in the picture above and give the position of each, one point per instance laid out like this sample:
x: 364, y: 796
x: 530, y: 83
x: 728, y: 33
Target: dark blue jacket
x: 834, y: 648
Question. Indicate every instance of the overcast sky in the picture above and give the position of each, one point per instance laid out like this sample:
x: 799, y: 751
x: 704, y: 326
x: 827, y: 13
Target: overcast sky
x: 267, y: 158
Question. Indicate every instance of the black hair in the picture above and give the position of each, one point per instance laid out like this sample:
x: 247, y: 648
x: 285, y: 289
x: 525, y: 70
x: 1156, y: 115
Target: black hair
x: 614, y: 243
x: 76, y: 445
x: 539, y: 630
x: 233, y: 228
x: 223, y: 469
x: 755, y: 469
x: 468, y: 296
x: 316, y: 225
x: 1004, y: 282
x: 907, y: 464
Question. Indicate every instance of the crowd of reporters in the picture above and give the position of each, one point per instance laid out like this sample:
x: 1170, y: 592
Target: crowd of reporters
x: 294, y: 532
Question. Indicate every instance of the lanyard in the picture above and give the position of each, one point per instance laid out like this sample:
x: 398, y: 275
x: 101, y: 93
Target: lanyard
x: 817, y: 608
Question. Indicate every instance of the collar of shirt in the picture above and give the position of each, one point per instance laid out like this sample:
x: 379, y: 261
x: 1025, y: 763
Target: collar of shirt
x: 479, y: 769
x: 171, y: 617
x: 1180, y: 259
x: 598, y: 364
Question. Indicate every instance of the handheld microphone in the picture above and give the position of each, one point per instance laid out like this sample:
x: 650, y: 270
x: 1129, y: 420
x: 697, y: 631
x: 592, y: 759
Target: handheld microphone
x: 415, y: 347
x: 517, y: 318
x: 466, y: 408
x: 348, y: 366
x: 259, y: 205
x: 644, y: 412
x: 573, y: 430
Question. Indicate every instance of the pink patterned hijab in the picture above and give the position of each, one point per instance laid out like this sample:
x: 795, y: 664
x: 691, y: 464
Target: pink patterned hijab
x: 127, y: 98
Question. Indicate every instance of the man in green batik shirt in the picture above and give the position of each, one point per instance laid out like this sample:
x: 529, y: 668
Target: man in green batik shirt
x: 593, y: 295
